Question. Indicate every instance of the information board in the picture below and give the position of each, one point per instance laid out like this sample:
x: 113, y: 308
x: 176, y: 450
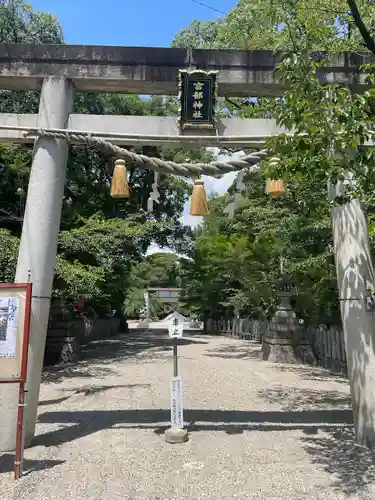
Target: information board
x: 15, y: 302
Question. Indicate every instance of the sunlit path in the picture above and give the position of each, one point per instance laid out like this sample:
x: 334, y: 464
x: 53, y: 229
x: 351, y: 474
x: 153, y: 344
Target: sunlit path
x: 256, y: 430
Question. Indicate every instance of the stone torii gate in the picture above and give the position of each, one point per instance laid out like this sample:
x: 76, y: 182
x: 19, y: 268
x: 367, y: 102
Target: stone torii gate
x: 59, y: 71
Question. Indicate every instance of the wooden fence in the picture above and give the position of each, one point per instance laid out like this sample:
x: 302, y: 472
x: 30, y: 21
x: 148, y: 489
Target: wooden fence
x: 243, y: 328
x: 329, y: 347
x: 327, y: 343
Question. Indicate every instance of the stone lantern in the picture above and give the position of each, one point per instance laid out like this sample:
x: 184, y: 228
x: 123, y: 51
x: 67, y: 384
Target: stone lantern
x: 285, y: 340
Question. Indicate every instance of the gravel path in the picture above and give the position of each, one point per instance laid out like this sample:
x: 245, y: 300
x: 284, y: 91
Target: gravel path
x: 257, y: 430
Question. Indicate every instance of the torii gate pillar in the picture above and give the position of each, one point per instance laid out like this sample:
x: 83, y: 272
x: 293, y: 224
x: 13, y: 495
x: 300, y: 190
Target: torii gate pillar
x: 37, y: 254
x: 356, y: 282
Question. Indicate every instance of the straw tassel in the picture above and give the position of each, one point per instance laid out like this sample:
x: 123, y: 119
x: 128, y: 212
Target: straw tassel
x: 198, y: 202
x: 119, y: 185
x: 275, y: 187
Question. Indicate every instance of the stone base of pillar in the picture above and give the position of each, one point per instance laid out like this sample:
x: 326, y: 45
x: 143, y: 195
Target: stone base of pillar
x: 286, y: 351
x: 71, y: 350
x: 284, y: 341
x: 63, y: 337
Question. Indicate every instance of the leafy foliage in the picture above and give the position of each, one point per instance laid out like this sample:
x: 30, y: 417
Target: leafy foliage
x: 8, y: 256
x: 158, y: 270
x: 235, y: 265
x: 281, y: 25
x: 284, y: 25
x: 19, y: 23
x: 101, y: 239
x: 198, y: 35
x: 331, y: 125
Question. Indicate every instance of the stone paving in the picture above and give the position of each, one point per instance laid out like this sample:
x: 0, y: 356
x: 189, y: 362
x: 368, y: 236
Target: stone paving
x: 257, y: 430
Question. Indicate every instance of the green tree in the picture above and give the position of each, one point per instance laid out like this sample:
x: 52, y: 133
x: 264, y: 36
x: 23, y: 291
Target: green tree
x: 283, y: 25
x: 235, y: 265
x: 20, y: 23
x: 91, y: 220
x: 325, y: 119
x: 198, y: 35
x: 298, y: 226
x: 331, y: 25
x: 8, y: 256
x: 158, y: 270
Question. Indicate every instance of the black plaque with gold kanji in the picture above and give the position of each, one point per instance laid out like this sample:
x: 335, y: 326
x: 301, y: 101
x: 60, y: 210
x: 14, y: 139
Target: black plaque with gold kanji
x: 197, y: 98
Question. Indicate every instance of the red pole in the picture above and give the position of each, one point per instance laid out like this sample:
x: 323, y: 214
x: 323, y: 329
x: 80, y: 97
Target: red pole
x: 19, y: 436
x: 18, y: 462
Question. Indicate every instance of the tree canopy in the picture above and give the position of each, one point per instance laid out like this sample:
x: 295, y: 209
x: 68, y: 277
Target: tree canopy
x: 101, y: 239
x: 236, y: 264
x: 158, y: 270
x: 329, y: 25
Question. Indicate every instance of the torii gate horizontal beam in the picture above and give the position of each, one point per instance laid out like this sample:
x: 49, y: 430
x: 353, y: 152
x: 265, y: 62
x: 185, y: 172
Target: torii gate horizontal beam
x: 154, y: 70
x: 159, y: 130
x: 232, y: 133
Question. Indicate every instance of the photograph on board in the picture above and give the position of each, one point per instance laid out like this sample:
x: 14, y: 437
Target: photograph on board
x: 8, y: 326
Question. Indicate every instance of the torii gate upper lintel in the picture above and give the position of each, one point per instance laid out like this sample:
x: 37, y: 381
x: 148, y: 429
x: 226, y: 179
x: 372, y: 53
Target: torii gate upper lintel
x: 154, y: 70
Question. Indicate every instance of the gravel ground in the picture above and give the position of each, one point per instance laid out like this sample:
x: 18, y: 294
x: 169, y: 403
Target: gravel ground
x: 257, y: 430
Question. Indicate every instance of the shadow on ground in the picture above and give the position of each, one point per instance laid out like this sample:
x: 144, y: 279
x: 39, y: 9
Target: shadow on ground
x: 305, y: 399
x: 327, y: 434
x: 7, y: 464
x: 323, y: 417
x: 335, y: 449
x: 352, y: 466
x: 88, y: 422
x: 97, y: 355
x: 90, y: 390
x: 313, y: 373
x: 243, y: 351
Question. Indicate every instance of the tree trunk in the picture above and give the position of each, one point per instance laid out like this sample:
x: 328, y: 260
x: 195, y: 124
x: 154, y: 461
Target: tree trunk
x: 367, y: 38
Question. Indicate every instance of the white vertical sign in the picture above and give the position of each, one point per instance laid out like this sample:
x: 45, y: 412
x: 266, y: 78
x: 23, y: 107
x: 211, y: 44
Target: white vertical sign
x: 147, y: 304
x: 177, y: 410
x: 176, y: 328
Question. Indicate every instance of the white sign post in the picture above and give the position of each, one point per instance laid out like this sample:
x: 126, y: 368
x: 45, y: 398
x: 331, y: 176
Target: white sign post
x: 176, y: 433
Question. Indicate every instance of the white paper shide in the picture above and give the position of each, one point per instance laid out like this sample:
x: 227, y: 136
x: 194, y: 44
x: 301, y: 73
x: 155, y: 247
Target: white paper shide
x: 8, y: 326
x: 177, y: 410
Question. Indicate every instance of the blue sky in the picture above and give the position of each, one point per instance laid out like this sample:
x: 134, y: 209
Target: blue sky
x: 151, y: 23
